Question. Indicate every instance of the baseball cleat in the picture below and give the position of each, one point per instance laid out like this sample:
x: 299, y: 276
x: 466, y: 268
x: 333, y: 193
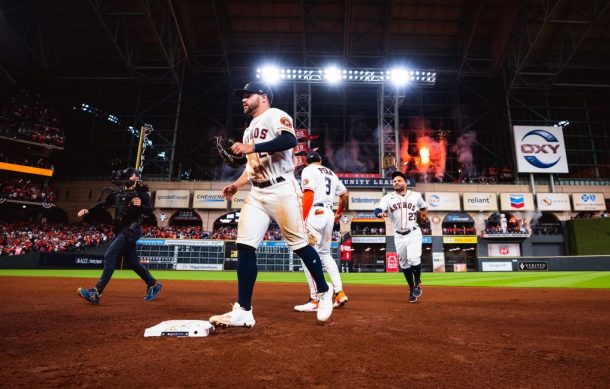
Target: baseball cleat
x: 417, y: 291
x: 412, y: 298
x: 90, y: 295
x: 238, y: 317
x: 340, y: 299
x: 310, y: 306
x: 153, y: 291
x: 325, y: 304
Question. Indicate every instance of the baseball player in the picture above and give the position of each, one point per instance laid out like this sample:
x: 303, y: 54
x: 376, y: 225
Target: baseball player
x: 320, y: 186
x: 275, y: 194
x: 402, y: 206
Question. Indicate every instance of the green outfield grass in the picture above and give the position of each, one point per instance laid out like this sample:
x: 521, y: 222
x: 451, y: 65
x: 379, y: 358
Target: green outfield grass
x: 579, y: 279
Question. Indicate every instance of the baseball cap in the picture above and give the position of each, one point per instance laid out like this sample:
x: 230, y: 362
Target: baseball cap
x: 255, y: 87
x: 313, y: 156
x: 398, y: 173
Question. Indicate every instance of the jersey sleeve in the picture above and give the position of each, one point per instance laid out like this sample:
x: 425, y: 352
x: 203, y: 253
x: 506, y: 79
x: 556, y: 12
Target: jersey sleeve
x: 340, y: 189
x: 383, y: 204
x: 421, y: 204
x: 280, y: 121
x: 308, y: 181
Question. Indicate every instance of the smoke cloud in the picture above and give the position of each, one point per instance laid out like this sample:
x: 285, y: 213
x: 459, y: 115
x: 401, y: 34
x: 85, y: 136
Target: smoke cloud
x: 463, y: 149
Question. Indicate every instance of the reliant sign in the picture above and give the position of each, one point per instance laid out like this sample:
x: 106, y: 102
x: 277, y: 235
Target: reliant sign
x: 516, y: 202
x: 364, y: 201
x: 553, y: 202
x: 480, y: 202
x: 209, y: 199
x: 172, y: 198
x: 443, y: 201
x: 540, y: 149
x: 589, y: 201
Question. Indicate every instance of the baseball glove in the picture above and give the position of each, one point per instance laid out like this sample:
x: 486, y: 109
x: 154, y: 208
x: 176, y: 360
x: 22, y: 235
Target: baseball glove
x: 228, y: 156
x: 422, y: 217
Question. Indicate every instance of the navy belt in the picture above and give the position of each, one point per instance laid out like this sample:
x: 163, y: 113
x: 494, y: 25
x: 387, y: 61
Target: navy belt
x: 323, y: 205
x: 268, y: 183
x: 407, y: 232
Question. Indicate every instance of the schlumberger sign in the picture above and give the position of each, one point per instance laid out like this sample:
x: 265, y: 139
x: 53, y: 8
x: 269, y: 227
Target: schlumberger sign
x: 540, y: 149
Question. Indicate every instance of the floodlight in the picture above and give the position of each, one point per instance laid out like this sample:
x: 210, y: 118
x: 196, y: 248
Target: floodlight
x: 269, y: 74
x: 332, y: 74
x: 400, y: 76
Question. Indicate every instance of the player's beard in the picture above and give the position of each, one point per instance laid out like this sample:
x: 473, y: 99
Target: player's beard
x: 251, y: 107
x: 400, y: 188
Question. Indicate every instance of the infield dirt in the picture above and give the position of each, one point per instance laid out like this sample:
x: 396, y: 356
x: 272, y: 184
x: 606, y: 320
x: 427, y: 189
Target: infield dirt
x: 453, y: 337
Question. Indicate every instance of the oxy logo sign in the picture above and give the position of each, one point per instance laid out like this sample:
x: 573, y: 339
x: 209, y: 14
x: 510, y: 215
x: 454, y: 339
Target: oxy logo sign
x: 540, y: 149
x: 534, y: 152
x: 517, y: 201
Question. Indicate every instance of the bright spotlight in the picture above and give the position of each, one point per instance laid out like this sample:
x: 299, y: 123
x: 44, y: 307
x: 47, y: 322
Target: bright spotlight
x: 269, y: 74
x: 400, y: 76
x: 332, y: 75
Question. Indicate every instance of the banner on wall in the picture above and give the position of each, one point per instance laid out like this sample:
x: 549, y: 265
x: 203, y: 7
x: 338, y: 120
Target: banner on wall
x: 209, y: 199
x: 368, y: 239
x: 459, y: 239
x: 438, y: 262
x: 443, y: 201
x: 589, y: 201
x: 239, y: 199
x: 517, y: 202
x: 496, y: 266
x: 553, y: 201
x: 364, y: 201
x: 391, y: 262
x: 480, y: 202
x: 540, y: 149
x: 504, y: 250
x: 369, y: 181
x: 172, y: 198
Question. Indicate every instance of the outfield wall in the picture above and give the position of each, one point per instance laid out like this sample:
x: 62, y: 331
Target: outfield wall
x: 273, y: 256
x: 572, y: 263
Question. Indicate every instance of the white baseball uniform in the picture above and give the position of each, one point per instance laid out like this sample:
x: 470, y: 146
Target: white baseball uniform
x: 325, y: 185
x: 407, y: 234
x: 275, y: 191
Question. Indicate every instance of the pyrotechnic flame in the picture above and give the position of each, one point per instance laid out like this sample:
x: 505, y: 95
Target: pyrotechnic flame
x: 424, y: 153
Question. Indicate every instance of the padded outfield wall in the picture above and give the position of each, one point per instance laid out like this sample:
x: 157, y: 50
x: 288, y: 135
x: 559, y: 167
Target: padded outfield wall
x: 589, y: 236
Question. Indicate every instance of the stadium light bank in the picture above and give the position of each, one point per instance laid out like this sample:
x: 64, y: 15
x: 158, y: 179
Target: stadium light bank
x: 398, y: 76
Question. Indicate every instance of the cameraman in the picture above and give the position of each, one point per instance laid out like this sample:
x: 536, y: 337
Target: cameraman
x: 132, y: 201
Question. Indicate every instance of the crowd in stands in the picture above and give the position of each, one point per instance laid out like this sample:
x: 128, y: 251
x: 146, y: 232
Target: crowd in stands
x: 225, y: 232
x: 459, y: 230
x: 510, y: 229
x: 175, y: 232
x: 367, y: 230
x: 26, y: 190
x: 25, y: 116
x: 23, y: 237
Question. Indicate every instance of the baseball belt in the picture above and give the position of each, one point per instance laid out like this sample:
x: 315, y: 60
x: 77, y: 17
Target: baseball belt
x: 406, y: 232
